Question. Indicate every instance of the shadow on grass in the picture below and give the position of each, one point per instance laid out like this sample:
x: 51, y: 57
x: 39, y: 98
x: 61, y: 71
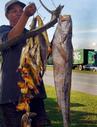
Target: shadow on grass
x: 78, y: 118
x: 76, y: 105
x: 53, y: 112
x: 83, y: 119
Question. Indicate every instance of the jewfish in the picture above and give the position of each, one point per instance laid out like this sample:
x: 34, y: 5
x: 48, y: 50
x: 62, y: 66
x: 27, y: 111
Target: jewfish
x: 62, y: 52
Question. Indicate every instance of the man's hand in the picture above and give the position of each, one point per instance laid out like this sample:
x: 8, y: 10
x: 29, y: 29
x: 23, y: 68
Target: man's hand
x: 19, y: 27
x: 30, y: 10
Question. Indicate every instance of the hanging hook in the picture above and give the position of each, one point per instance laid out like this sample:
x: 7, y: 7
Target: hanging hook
x: 55, y: 13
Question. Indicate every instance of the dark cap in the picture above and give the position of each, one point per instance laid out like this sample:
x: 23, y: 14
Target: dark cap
x: 11, y: 2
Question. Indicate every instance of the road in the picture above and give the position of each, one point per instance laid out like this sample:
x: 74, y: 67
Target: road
x: 80, y: 81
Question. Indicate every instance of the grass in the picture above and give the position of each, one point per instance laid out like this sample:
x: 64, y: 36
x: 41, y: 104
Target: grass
x: 83, y: 109
x: 49, y: 67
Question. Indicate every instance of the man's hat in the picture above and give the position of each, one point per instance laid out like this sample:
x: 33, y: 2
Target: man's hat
x: 11, y: 2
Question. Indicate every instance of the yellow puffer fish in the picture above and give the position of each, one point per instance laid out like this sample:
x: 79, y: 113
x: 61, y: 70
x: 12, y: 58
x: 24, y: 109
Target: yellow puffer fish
x: 21, y: 84
x: 23, y: 106
x: 24, y: 90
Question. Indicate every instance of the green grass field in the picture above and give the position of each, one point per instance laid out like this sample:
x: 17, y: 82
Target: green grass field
x: 83, y: 109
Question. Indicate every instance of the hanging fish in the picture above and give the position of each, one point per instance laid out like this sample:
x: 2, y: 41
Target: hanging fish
x: 32, y: 63
x: 26, y: 119
x: 62, y: 52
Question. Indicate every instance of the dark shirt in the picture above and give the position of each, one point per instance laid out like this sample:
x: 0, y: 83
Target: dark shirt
x: 9, y: 91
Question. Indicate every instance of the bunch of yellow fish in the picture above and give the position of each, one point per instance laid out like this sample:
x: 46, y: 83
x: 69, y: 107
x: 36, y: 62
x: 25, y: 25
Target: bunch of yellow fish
x: 32, y: 63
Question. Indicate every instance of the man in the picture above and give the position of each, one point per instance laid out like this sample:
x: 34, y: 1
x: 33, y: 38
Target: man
x: 9, y: 91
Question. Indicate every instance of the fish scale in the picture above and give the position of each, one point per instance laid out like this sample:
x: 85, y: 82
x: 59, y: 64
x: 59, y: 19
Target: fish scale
x: 62, y: 52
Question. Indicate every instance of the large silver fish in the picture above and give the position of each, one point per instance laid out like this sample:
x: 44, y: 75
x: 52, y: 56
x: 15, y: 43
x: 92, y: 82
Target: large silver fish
x: 62, y: 51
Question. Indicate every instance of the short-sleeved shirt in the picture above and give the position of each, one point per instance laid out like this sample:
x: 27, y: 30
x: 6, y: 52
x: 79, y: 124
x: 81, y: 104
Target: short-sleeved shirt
x: 9, y: 91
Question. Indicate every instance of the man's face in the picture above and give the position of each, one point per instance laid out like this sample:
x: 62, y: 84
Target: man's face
x: 14, y: 13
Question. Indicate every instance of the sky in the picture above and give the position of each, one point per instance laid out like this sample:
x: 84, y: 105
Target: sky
x: 83, y: 14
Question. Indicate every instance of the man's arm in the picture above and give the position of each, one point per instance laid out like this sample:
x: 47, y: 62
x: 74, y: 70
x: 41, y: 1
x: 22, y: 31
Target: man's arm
x: 19, y: 27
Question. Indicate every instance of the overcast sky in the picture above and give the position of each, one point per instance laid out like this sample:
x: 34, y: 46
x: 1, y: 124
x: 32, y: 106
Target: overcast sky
x: 84, y: 18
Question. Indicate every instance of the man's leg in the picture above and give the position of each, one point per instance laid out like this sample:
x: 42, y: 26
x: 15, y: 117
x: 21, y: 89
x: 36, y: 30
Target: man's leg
x: 41, y: 120
x: 12, y: 118
x: 2, y: 122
